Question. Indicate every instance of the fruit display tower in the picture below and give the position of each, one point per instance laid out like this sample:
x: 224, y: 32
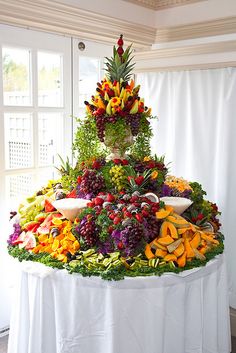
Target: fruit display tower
x: 117, y: 212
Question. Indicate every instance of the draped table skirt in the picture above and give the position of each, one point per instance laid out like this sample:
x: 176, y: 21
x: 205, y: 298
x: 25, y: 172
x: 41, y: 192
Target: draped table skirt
x: 56, y: 312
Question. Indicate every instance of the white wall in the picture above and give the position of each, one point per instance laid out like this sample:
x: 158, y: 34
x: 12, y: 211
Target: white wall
x: 196, y: 12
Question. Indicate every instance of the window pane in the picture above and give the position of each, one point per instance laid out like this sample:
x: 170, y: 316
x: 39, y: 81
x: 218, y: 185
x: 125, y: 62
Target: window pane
x: 89, y: 73
x: 16, y: 76
x: 50, y: 83
x: 18, y: 140
x: 19, y: 186
x: 50, y: 132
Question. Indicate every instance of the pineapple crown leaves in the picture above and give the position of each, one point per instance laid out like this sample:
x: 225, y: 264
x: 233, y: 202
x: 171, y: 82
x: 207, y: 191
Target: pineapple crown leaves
x: 120, y: 67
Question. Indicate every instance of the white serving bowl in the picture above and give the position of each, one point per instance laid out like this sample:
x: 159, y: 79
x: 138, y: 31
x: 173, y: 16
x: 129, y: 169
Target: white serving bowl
x: 70, y: 208
x: 179, y: 204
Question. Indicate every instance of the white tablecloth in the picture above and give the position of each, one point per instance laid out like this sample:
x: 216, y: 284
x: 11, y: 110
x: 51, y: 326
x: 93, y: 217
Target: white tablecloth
x: 56, y: 312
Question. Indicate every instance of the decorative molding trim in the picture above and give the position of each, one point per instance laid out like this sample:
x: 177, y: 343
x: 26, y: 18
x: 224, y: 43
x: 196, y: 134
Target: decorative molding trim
x: 162, y: 4
x: 206, y: 66
x: 52, y: 16
x: 198, y: 49
x: 233, y: 321
x: 196, y: 30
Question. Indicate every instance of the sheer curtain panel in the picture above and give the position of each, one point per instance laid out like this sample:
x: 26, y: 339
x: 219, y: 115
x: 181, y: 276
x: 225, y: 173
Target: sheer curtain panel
x: 196, y: 131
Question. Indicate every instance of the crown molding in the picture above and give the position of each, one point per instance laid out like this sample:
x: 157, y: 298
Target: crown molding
x: 198, y: 49
x: 52, y: 16
x: 162, y: 4
x: 216, y: 27
x: 156, y: 60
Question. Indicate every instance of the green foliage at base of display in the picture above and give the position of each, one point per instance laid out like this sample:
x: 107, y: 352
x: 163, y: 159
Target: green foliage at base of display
x: 117, y: 273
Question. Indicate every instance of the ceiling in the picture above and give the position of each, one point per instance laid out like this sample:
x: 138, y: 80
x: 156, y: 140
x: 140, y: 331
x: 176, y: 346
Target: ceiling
x: 162, y: 4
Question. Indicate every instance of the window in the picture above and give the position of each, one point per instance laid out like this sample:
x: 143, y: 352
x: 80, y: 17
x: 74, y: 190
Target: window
x: 35, y: 110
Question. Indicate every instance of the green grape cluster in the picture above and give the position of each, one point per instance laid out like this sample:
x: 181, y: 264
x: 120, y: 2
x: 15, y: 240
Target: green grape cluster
x: 118, y: 177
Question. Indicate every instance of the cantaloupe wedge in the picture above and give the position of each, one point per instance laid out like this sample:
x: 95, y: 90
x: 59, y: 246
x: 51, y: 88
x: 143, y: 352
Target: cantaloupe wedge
x: 168, y: 228
x: 180, y: 250
x: 165, y: 240
x: 188, y: 248
x: 148, y: 252
x: 196, y: 241
x: 181, y: 261
x: 170, y: 257
x: 160, y: 253
x: 173, y: 246
x: 179, y: 222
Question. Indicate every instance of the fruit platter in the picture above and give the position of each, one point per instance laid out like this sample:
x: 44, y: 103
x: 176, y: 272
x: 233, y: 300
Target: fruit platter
x: 117, y: 211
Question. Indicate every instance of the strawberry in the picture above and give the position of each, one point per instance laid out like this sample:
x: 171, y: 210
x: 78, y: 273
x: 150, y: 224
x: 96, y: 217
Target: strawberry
x: 120, y: 245
x: 96, y: 165
x: 98, y: 201
x: 145, y: 213
x: 112, y: 216
x: 110, y: 229
x: 125, y: 162
x: 117, y: 161
x: 79, y: 179
x: 110, y: 198
x: 91, y: 204
x: 200, y: 216
x: 130, y: 178
x: 128, y: 214
x: 117, y: 220
x: 139, y: 180
x: 139, y: 217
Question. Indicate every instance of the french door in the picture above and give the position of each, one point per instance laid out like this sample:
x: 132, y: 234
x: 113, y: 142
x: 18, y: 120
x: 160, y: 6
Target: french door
x: 35, y: 110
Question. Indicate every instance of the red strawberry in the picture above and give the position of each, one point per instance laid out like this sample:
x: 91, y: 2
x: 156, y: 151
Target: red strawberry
x: 98, y: 201
x: 110, y: 229
x: 120, y: 51
x: 130, y: 177
x: 96, y: 165
x: 139, y: 217
x: 112, y: 216
x: 91, y: 204
x: 133, y: 199
x: 79, y: 179
x: 120, y: 41
x: 120, y: 245
x: 128, y: 214
x: 117, y: 161
x: 200, y: 216
x: 110, y: 198
x: 125, y: 162
x: 145, y: 213
x: 139, y: 180
x: 117, y: 220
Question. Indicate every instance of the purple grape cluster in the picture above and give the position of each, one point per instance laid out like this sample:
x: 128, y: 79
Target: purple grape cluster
x: 15, y: 234
x: 152, y: 228
x: 100, y: 125
x: 88, y: 231
x: 131, y: 238
x: 92, y: 183
x: 133, y: 120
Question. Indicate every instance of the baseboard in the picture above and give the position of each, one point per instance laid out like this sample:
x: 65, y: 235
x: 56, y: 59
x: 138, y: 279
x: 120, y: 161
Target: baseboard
x: 233, y: 321
x: 4, y: 331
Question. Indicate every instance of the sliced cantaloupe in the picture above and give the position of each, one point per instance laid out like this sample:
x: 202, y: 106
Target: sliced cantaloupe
x: 174, y: 245
x: 188, y: 248
x: 163, y: 213
x: 196, y: 241
x: 165, y: 240
x: 209, y: 238
x: 181, y: 231
x: 203, y: 249
x: 148, y: 252
x: 179, y: 222
x: 160, y: 253
x: 37, y: 249
x: 199, y: 255
x: 181, y: 261
x: 43, y: 238
x: 170, y: 257
x: 180, y: 250
x: 168, y: 228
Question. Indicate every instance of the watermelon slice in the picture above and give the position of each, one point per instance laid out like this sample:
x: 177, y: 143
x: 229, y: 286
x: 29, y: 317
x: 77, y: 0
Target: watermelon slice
x: 20, y: 239
x: 31, y: 243
x: 27, y: 237
x: 48, y: 206
x: 72, y: 194
x: 31, y: 225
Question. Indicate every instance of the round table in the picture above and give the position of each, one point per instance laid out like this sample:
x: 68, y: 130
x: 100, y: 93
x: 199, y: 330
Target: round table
x: 56, y: 312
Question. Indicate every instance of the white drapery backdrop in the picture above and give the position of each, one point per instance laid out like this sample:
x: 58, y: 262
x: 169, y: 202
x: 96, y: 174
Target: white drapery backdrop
x: 196, y: 131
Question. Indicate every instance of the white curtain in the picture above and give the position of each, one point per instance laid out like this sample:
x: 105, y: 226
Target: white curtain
x: 196, y: 131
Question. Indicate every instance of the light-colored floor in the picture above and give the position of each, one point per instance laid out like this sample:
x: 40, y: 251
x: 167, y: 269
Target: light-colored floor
x: 4, y: 340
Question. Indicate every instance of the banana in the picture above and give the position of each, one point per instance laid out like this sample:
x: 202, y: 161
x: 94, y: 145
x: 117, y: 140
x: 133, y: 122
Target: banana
x: 134, y: 108
x: 122, y: 104
x: 125, y: 96
x: 115, y: 91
